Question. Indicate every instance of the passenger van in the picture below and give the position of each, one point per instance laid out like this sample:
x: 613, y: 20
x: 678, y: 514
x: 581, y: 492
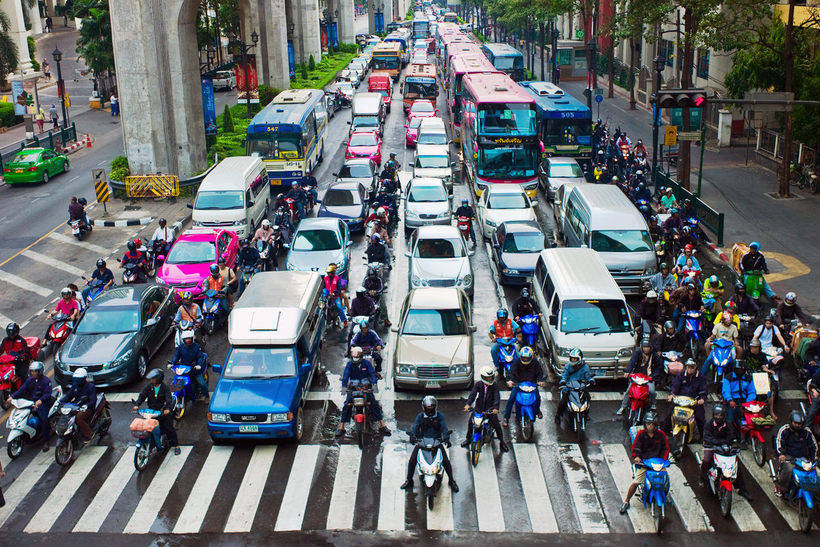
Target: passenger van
x: 585, y: 309
x: 234, y: 195
x: 601, y: 217
x: 559, y: 204
x: 274, y: 332
x: 368, y: 112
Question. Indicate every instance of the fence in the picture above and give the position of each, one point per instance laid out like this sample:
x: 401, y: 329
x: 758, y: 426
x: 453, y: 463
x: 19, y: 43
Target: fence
x: 620, y: 71
x: 706, y: 215
x: 55, y: 139
x: 770, y: 143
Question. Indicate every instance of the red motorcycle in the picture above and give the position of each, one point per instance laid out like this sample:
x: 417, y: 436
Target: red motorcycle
x: 9, y: 382
x: 57, y: 333
x: 638, y: 398
x: 464, y: 227
x: 756, y: 420
x: 294, y: 211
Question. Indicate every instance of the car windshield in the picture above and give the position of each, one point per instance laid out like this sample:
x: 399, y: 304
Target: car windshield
x: 27, y: 157
x: 434, y: 323
x: 422, y: 106
x: 355, y: 171
x: 621, y: 241
x: 109, y: 320
x: 316, y: 240
x: 432, y: 162
x: 427, y: 194
x: 341, y: 198
x: 192, y: 252
x: 219, y: 200
x: 362, y: 139
x: 440, y: 248
x: 507, y: 201
x: 565, y: 170
x: 432, y: 137
x: 250, y: 363
x: 366, y: 121
x: 594, y: 316
x: 345, y: 86
x: 528, y: 242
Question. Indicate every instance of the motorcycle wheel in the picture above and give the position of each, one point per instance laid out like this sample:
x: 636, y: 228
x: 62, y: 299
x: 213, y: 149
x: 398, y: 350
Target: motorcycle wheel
x: 526, y: 428
x: 759, y: 452
x: 4, y: 403
x: 105, y: 422
x: 209, y: 326
x: 141, y: 456
x: 805, y: 516
x: 179, y: 409
x: 725, y: 498
x: 657, y: 517
x: 15, y: 448
x: 678, y: 441
x: 64, y: 451
x: 475, y: 452
x: 431, y: 500
x: 360, y: 434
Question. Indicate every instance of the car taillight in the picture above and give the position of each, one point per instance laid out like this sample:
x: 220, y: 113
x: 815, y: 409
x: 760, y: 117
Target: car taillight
x: 32, y: 169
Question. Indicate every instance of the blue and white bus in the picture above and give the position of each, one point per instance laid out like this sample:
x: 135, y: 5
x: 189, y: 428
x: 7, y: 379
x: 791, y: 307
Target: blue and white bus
x: 564, y: 122
x: 421, y: 26
x: 289, y: 135
x: 505, y: 58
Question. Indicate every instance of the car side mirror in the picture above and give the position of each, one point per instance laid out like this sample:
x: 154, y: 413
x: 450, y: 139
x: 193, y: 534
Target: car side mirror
x: 349, y: 123
x: 335, y: 174
x: 151, y: 322
x: 216, y: 368
x: 496, y: 246
x: 394, y: 329
x: 553, y: 320
x: 471, y: 252
x: 349, y: 244
x: 250, y: 203
x: 407, y: 253
x: 473, y: 328
x: 306, y: 365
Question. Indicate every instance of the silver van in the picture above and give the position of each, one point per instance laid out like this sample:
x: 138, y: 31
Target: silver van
x: 367, y: 112
x: 601, y: 217
x: 559, y: 204
x: 585, y: 309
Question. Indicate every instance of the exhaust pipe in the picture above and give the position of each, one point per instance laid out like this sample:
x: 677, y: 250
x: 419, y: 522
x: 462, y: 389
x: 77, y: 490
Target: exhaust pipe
x: 771, y: 469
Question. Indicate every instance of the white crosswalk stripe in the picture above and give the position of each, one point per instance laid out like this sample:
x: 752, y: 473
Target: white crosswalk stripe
x: 587, y: 506
x: 487, y: 494
x: 539, y: 506
x: 53, y: 262
x: 440, y: 517
x: 391, y: 500
x: 250, y: 492
x: 98, y: 510
x: 24, y: 482
x: 62, y: 238
x: 298, y: 489
x: 199, y: 499
x: 340, y: 513
x: 151, y: 502
x: 24, y: 284
x: 689, y: 508
x: 617, y: 460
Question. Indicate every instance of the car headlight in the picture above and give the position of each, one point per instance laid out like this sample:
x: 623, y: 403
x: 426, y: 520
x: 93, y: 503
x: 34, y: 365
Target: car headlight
x: 490, y: 222
x: 239, y: 223
x: 119, y: 361
x: 466, y: 281
x: 417, y: 281
x: 218, y: 417
x: 531, y: 186
x: 460, y: 369
x: 411, y: 214
x: 625, y: 352
x: 160, y: 281
x: 196, y: 223
x: 278, y: 417
x: 406, y: 370
x: 563, y: 352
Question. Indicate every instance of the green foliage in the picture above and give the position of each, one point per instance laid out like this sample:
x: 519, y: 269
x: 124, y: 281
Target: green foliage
x: 347, y: 48
x: 95, y: 45
x: 409, y: 14
x: 304, y: 71
x: 119, y: 162
x: 311, y: 64
x: 7, y: 117
x: 32, y: 53
x: 8, y: 49
x: 119, y: 169
x: 324, y: 73
x: 267, y: 93
x: 229, y: 143
x: 227, y: 121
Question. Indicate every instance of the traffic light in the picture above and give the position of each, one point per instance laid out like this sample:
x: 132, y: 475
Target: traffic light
x: 682, y: 98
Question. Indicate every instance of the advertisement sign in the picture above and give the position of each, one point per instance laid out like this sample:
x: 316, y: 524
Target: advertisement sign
x: 18, y: 97
x: 323, y: 31
x: 208, y: 106
x: 246, y: 90
x: 333, y: 33
x: 378, y: 21
x: 291, y: 60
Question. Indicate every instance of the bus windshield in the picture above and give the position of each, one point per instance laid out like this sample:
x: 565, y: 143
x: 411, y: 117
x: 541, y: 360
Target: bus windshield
x: 508, y: 63
x: 386, y: 63
x: 506, y: 119
x: 503, y: 163
x: 423, y: 89
x: 568, y: 131
x: 275, y: 147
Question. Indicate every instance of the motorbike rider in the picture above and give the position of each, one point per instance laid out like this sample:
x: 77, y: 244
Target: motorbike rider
x: 310, y: 186
x: 668, y: 339
x: 714, y: 287
x: 375, y: 288
x: 642, y: 192
x: 673, y: 223
x: 264, y: 232
x: 362, y: 304
x: 358, y: 368
x: 15, y: 345
x: 188, y: 310
x: 792, y: 441
x: 76, y: 211
x: 576, y: 369
x: 190, y: 354
x: 392, y: 164
x: 788, y: 311
x: 689, y: 301
x: 684, y: 256
x: 102, y: 275
x: 668, y: 200
x: 650, y: 442
x: 737, y: 389
x: 464, y: 210
x: 649, y: 313
x: 216, y: 282
x: 134, y: 256
x: 663, y: 281
x: 337, y: 294
x: 644, y: 361
x: 755, y: 261
x: 744, y: 304
x: 367, y: 337
x: 157, y: 396
x: 655, y: 231
x: 82, y: 392
x: 725, y: 330
x: 687, y: 210
x: 766, y: 334
x: 691, y: 383
x: 524, y: 369
x: 377, y: 251
x: 282, y: 219
x: 299, y: 199
x: 757, y: 361
x: 639, y: 148
x: 37, y: 388
x: 812, y: 359
x: 231, y: 281
x: 66, y: 305
x: 248, y: 256
x: 429, y: 423
x: 524, y: 305
x: 502, y: 327
x: 163, y: 234
x: 485, y: 398
x: 717, y: 432
x: 814, y: 409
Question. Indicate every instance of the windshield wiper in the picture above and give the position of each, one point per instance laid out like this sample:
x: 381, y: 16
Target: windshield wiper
x: 585, y: 329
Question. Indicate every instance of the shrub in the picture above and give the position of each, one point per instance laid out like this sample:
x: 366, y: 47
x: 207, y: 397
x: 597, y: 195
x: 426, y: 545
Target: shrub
x: 119, y: 169
x: 347, y: 48
x: 32, y: 53
x: 267, y: 93
x: 227, y: 121
x: 304, y: 72
x: 311, y: 64
x: 7, y: 116
x: 119, y: 162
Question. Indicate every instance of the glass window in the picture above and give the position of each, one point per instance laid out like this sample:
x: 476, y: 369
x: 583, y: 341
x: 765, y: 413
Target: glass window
x: 524, y: 243
x: 440, y: 248
x: 594, y: 316
x: 565, y: 170
x: 250, y: 363
x: 356, y: 171
x: 316, y: 240
x: 432, y: 137
x: 621, y: 241
x: 109, y: 320
x: 362, y: 122
x: 280, y: 147
x: 568, y: 131
x: 507, y: 201
x: 422, y: 89
x: 667, y: 51
x: 505, y: 163
x: 703, y: 63
x: 414, y: 122
x: 192, y: 252
x: 341, y: 198
x: 432, y: 162
x: 507, y: 119
x: 434, y: 323
x: 363, y: 139
x: 422, y: 106
x: 27, y: 157
x: 508, y: 63
x: 426, y: 194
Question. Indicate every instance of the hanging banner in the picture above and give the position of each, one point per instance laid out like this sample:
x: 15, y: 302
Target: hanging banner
x: 291, y: 60
x: 333, y: 33
x: 323, y: 36
x: 250, y: 89
x: 208, y: 106
x: 18, y: 97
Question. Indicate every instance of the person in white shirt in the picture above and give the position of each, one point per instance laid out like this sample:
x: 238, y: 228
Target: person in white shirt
x: 163, y: 233
x: 766, y: 334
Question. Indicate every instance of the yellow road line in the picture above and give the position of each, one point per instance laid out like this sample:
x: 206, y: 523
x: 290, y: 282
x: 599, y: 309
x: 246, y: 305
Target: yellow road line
x: 794, y: 268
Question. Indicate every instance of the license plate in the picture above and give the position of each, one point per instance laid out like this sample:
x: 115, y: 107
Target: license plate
x: 432, y: 384
x: 276, y: 181
x: 249, y: 429
x: 76, y: 230
x: 18, y: 170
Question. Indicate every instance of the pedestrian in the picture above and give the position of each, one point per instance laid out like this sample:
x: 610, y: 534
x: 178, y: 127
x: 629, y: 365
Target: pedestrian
x: 40, y: 118
x: 115, y: 106
x: 53, y: 116
x: 48, y: 24
x: 46, y: 69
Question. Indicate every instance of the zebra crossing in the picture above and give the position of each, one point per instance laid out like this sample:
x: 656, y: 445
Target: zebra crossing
x: 280, y: 491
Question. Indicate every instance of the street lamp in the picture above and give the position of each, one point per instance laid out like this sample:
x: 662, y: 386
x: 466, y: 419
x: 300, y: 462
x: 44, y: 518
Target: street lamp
x: 58, y: 56
x: 243, y: 50
x: 658, y: 64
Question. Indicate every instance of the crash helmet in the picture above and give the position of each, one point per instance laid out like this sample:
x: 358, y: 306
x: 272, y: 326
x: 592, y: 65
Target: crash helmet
x: 331, y: 268
x: 429, y: 405
x: 796, y: 419
x: 356, y: 354
x: 526, y: 355
x: 155, y: 373
x: 186, y: 296
x: 791, y: 298
x: 488, y: 374
x: 266, y: 223
x: 100, y: 263
x: 214, y: 269
x: 502, y: 314
x: 575, y: 355
x: 669, y: 325
x: 80, y: 373
x: 12, y: 330
x: 36, y: 366
x: 187, y: 335
x: 131, y: 246
x: 719, y: 412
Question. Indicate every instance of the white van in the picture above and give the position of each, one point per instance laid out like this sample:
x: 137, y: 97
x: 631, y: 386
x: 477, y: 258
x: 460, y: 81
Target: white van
x: 234, y: 195
x: 585, y: 309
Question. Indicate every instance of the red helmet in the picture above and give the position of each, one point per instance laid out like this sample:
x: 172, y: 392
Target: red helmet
x: 138, y: 242
x: 688, y: 247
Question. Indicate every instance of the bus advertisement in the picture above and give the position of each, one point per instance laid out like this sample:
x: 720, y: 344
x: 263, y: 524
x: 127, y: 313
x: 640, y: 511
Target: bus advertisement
x: 564, y: 122
x: 419, y: 83
x: 461, y: 65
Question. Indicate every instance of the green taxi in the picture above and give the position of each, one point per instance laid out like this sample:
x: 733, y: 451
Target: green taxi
x: 34, y: 165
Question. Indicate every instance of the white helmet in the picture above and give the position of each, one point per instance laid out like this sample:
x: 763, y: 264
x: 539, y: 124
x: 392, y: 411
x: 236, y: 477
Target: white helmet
x: 356, y: 354
x: 488, y: 374
x: 266, y: 223
x: 80, y: 373
x: 651, y: 294
x: 187, y: 334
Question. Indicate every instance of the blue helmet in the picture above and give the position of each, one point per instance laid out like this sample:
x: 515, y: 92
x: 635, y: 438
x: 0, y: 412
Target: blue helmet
x: 754, y: 245
x: 526, y: 355
x: 502, y: 314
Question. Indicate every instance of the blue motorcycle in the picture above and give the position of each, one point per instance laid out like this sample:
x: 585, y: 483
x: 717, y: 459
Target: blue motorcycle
x: 183, y: 387
x: 803, y: 493
x: 529, y: 330
x: 692, y: 324
x: 655, y: 489
x: 150, y: 441
x: 506, y: 354
x: 482, y: 434
x: 95, y: 289
x: 720, y: 358
x: 212, y: 310
x: 525, y: 409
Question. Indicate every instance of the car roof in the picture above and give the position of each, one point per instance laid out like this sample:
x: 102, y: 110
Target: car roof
x: 522, y: 226
x: 353, y: 161
x: 32, y: 150
x: 318, y: 223
x: 420, y: 101
x: 432, y: 149
x: 352, y: 186
x: 557, y: 159
x: 580, y: 273
x: 434, y: 298
x: 198, y: 234
x: 432, y: 123
x: 122, y: 295
x: 363, y: 133
x: 425, y: 232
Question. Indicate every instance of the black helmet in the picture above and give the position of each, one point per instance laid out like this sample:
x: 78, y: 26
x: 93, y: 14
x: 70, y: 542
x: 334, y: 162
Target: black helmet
x: 131, y: 246
x: 525, y: 293
x: 100, y: 263
x: 740, y: 287
x: 392, y: 155
x: 664, y: 265
x: 641, y: 186
x: 12, y: 330
x: 429, y: 405
x: 651, y: 418
x: 719, y: 410
x: 214, y: 268
x: 796, y: 417
x: 162, y: 221
x: 83, y: 201
x: 155, y: 373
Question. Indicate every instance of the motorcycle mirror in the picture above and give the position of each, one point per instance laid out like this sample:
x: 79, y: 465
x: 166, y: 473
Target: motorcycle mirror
x: 406, y: 253
x: 394, y: 329
x: 471, y: 252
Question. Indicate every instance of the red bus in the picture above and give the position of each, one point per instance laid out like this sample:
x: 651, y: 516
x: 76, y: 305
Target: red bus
x: 419, y: 83
x: 467, y: 63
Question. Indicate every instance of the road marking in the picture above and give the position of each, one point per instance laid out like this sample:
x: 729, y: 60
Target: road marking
x: 391, y: 500
x: 62, y: 238
x: 24, y: 284
x: 30, y: 245
x: 581, y: 489
x: 151, y: 502
x: 539, y: 506
x: 54, y: 263
x: 345, y: 484
x: 5, y: 321
x: 107, y: 495
x: 199, y: 499
x: 24, y: 482
x: 689, y: 508
x: 294, y: 501
x: 441, y: 516
x: 250, y: 492
x: 618, y: 462
x: 794, y: 268
x: 73, y: 478
x: 487, y: 495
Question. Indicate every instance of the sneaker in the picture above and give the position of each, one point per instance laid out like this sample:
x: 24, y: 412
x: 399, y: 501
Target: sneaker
x: 505, y: 423
x: 407, y: 485
x: 46, y: 448
x: 387, y: 322
x: 539, y: 415
x: 620, y: 411
x: 624, y: 507
x: 453, y: 485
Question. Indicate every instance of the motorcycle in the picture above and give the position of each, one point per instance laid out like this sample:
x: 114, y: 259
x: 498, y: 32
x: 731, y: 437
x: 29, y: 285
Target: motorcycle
x: 182, y: 327
x: 722, y: 474
x: 332, y: 318
x: 130, y: 273
x: 755, y: 421
x: 9, y: 382
x: 183, y: 388
x: 578, y: 405
x: 248, y: 271
x: 294, y: 211
x: 683, y: 423
x: 672, y: 363
x: 95, y: 289
x: 265, y: 255
x: 80, y: 229
x: 463, y: 224
x: 507, y: 353
x: 655, y: 489
x: 530, y: 328
x: 212, y: 310
x: 721, y: 358
x: 361, y: 416
x: 692, y: 324
x: 24, y: 424
x: 806, y: 486
x: 68, y: 436
x: 772, y: 353
x: 150, y: 440
x: 638, y: 398
x: 430, y: 468
x: 525, y: 409
x: 482, y: 434
x: 156, y: 256
x: 57, y: 333
x: 754, y: 284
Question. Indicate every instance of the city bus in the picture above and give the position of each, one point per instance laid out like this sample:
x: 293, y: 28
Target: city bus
x: 458, y: 49
x: 402, y: 36
x: 289, y: 135
x: 450, y: 17
x: 421, y: 27
x: 499, y: 138
x: 505, y: 58
x: 419, y: 83
x: 387, y: 57
x: 451, y: 41
x: 461, y: 65
x: 564, y: 122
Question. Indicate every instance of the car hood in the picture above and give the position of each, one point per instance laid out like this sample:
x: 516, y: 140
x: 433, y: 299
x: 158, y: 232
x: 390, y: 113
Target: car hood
x: 367, y: 182
x: 503, y: 215
x: 520, y: 261
x: 432, y: 172
x: 183, y: 273
x: 313, y: 260
x: 341, y: 211
x: 440, y: 268
x: 427, y: 207
x: 94, y: 349
x: 253, y: 396
x: 621, y: 262
x: 436, y: 350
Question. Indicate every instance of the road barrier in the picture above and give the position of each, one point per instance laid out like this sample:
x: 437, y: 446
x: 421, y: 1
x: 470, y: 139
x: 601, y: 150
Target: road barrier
x: 707, y: 216
x: 148, y: 186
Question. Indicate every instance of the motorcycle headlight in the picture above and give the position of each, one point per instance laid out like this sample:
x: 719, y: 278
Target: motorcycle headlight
x: 657, y: 467
x: 218, y: 417
x: 278, y: 417
x: 406, y: 370
x: 574, y: 407
x: 478, y: 420
x: 428, y: 468
x: 625, y: 352
x: 728, y: 472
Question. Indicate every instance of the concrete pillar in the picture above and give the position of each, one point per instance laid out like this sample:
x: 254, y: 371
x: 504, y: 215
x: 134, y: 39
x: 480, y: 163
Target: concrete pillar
x: 155, y: 55
x: 34, y: 17
x: 292, y: 15
x: 307, y: 30
x: 273, y: 43
x: 347, y: 23
x: 724, y: 127
x: 18, y: 33
x: 388, y: 12
x: 371, y: 17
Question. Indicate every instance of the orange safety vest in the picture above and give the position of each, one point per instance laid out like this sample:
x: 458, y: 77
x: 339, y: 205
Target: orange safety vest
x: 187, y: 315
x: 215, y: 284
x: 503, y: 330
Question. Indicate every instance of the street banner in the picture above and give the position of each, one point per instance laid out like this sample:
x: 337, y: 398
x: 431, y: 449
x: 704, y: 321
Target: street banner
x: 323, y: 37
x: 333, y: 33
x: 18, y: 97
x: 250, y: 89
x: 208, y: 106
x: 291, y: 60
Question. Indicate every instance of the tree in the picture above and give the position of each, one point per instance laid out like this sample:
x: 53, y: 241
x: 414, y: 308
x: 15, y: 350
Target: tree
x: 227, y: 120
x: 95, y: 45
x: 8, y: 49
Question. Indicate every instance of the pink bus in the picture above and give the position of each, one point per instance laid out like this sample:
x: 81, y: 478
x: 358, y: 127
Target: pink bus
x: 467, y: 63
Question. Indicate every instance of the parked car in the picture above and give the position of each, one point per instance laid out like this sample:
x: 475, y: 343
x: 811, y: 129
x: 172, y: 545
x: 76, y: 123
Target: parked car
x: 364, y: 144
x: 34, y: 165
x: 225, y: 79
x: 439, y: 258
x: 426, y: 203
x: 350, y: 75
x: 361, y: 170
x: 500, y: 203
x: 190, y: 258
x: 346, y: 201
x: 411, y: 131
x: 516, y: 247
x: 555, y: 172
x: 423, y: 109
x: 117, y: 335
x: 318, y: 242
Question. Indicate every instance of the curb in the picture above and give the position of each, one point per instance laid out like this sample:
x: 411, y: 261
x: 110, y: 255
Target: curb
x: 719, y: 252
x: 121, y: 223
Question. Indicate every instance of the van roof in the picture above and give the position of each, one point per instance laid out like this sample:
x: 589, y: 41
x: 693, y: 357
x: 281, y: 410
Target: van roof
x: 273, y: 308
x: 225, y: 175
x: 434, y: 299
x: 579, y: 273
x: 608, y: 204
x: 432, y: 150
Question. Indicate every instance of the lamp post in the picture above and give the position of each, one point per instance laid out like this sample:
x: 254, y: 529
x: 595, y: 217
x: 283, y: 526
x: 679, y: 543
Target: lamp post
x: 658, y: 64
x: 593, y: 75
x: 58, y: 56
x: 244, y: 48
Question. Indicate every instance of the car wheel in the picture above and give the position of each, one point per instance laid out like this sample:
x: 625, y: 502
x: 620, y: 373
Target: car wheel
x: 142, y: 366
x: 300, y: 425
x: 45, y: 176
x: 65, y: 166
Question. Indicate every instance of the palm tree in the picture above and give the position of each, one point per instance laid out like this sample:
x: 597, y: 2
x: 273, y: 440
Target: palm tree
x: 8, y: 49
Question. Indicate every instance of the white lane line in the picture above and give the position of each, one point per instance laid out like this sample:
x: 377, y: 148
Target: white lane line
x: 53, y: 506
x: 199, y: 499
x: 250, y: 492
x: 587, y: 506
x: 345, y: 484
x: 24, y: 482
x: 441, y: 516
x: 5, y: 321
x: 107, y: 495
x: 487, y: 495
x: 294, y: 501
x: 539, y: 506
x: 686, y: 502
x: 53, y: 262
x: 62, y: 238
x: 618, y: 462
x: 24, y: 284
x: 146, y: 512
x: 391, y: 500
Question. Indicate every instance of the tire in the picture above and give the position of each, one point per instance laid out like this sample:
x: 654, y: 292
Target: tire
x: 725, y: 499
x: 142, y: 366
x: 360, y: 434
x: 66, y: 166
x: 526, y: 428
x: 475, y: 452
x: 759, y: 452
x: 64, y: 451
x: 209, y: 326
x: 45, y: 177
x: 805, y: 516
x: 678, y: 440
x: 15, y: 448
x: 179, y: 410
x: 431, y: 500
x: 657, y: 517
x: 105, y: 422
x: 300, y: 425
x: 4, y: 404
x: 142, y: 456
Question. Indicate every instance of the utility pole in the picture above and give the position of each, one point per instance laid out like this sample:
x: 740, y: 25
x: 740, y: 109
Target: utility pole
x: 658, y: 64
x: 541, y: 43
x: 788, y: 61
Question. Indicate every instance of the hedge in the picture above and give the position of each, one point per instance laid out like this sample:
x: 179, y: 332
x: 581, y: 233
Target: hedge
x: 324, y: 73
x: 7, y: 116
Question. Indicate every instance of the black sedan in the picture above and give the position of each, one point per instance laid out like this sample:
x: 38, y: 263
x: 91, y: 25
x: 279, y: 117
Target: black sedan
x: 117, y: 335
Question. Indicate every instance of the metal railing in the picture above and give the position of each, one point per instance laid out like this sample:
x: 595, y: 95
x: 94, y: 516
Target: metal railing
x: 708, y: 217
x: 54, y: 139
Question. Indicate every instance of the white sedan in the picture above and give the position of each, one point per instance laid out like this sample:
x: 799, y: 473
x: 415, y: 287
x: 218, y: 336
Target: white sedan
x: 503, y: 203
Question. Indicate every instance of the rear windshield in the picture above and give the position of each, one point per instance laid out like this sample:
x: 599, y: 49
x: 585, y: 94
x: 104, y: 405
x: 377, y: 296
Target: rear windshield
x: 341, y: 198
x: 565, y: 170
x: 355, y: 171
x: 530, y: 242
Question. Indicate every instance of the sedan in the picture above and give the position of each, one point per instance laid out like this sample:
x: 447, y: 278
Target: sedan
x: 318, y: 242
x: 351, y: 76
x: 117, y: 335
x: 439, y: 258
x: 347, y: 201
x: 555, y: 172
x: 411, y: 131
x: 501, y: 203
x: 361, y: 170
x: 516, y: 248
x: 190, y: 258
x: 34, y: 165
x: 426, y: 203
x: 364, y: 144
x: 422, y: 108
